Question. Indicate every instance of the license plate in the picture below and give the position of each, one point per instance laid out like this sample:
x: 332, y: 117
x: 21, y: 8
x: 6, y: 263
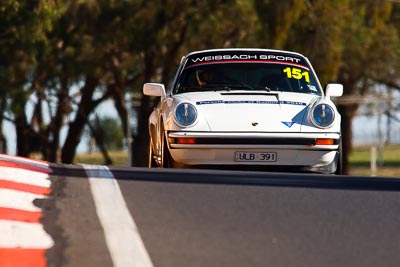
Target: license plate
x: 256, y: 156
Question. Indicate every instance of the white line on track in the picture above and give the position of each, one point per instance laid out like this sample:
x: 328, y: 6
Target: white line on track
x: 121, y: 233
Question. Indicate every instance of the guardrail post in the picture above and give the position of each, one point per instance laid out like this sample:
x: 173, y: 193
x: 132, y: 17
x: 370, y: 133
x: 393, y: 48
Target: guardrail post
x: 373, y: 161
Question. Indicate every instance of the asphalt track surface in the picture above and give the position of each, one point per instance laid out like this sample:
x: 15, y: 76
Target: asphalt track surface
x: 228, y: 218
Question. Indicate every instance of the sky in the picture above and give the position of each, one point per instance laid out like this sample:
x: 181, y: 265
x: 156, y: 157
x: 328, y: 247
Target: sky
x: 366, y: 130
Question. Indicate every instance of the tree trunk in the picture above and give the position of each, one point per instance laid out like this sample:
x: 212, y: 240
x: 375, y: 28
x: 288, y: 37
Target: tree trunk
x: 3, y: 139
x: 53, y: 131
x: 140, y: 142
x: 99, y: 137
x: 23, y: 141
x: 346, y: 140
x: 75, y: 131
x: 347, y: 112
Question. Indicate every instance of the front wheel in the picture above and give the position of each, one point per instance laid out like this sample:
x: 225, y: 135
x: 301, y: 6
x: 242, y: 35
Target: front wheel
x: 166, y: 158
x: 152, y: 163
x: 339, y: 165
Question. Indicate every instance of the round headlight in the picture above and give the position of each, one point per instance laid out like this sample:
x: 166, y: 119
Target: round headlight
x: 322, y: 115
x: 185, y: 114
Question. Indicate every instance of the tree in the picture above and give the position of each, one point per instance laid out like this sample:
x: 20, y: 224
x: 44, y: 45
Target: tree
x: 369, y: 57
x: 109, y: 131
x: 106, y: 134
x: 70, y: 71
x: 23, y: 28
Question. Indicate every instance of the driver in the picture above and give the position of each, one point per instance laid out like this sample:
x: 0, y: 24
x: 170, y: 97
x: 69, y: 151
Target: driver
x: 206, y: 77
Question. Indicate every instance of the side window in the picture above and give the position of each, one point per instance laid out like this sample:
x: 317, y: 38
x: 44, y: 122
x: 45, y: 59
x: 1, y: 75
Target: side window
x: 188, y: 78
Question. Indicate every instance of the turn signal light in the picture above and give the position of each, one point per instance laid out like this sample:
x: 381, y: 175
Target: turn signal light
x: 325, y: 141
x: 186, y: 141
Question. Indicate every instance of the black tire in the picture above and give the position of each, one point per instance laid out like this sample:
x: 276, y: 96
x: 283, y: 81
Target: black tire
x: 166, y: 159
x: 152, y: 162
x: 339, y: 164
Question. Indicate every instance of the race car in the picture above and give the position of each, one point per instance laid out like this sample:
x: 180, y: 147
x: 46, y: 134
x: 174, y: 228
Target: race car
x: 245, y: 108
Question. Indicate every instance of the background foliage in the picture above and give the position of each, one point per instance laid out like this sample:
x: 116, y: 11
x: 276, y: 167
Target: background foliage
x: 61, y: 59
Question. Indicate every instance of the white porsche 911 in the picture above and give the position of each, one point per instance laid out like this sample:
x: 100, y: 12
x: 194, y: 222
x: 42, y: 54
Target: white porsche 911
x: 246, y: 108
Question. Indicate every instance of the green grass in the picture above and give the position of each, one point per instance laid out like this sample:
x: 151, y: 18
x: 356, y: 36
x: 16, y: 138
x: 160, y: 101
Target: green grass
x: 360, y: 160
x: 361, y: 156
x: 387, y: 165
x: 119, y: 158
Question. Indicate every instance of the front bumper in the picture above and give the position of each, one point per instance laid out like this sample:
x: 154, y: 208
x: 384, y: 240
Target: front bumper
x: 303, y: 150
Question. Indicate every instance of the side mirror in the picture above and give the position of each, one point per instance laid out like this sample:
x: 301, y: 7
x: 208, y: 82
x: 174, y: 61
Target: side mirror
x: 334, y: 90
x: 154, y: 89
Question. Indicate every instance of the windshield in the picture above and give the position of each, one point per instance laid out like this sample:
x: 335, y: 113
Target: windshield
x: 257, y: 76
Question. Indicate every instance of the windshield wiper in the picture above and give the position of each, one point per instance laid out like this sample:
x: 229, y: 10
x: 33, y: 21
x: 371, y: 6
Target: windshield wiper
x: 239, y: 85
x: 214, y: 87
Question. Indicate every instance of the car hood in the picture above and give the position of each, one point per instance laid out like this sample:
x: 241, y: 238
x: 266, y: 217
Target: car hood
x: 244, y: 111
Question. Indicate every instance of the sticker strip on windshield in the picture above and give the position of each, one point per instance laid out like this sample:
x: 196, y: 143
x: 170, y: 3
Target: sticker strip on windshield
x: 247, y: 61
x: 211, y: 102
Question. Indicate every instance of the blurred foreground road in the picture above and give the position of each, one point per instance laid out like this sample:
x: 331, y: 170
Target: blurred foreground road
x: 142, y: 217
